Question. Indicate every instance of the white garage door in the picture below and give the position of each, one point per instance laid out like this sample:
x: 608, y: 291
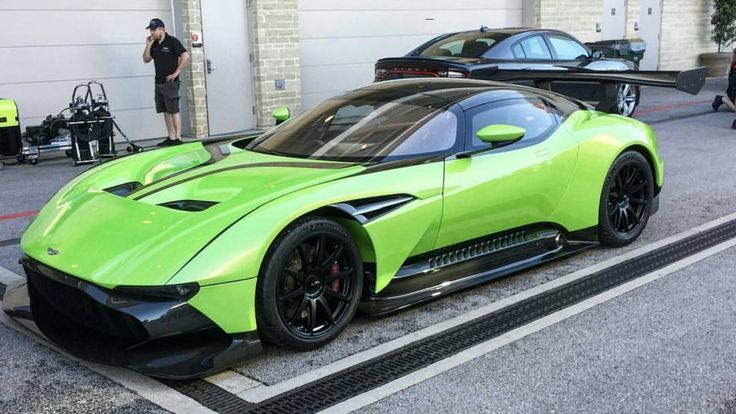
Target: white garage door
x: 49, y: 46
x: 341, y: 40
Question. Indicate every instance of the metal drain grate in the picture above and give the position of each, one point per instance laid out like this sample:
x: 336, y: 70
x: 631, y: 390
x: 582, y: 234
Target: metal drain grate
x: 381, y: 370
x: 210, y: 395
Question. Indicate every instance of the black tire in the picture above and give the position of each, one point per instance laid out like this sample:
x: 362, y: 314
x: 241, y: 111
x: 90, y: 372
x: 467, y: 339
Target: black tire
x: 300, y: 305
x: 626, y: 200
x: 627, y: 99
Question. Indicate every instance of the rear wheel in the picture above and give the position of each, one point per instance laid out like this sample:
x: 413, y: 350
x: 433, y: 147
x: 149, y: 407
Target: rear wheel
x: 309, y: 286
x: 627, y: 99
x: 626, y: 200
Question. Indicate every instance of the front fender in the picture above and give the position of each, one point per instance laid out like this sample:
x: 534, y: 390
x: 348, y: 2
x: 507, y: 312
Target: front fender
x: 238, y: 252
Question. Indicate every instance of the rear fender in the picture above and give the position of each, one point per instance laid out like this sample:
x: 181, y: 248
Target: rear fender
x: 602, y: 137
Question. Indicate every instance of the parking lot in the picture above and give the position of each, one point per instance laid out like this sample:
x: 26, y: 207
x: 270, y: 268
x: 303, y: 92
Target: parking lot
x: 665, y: 345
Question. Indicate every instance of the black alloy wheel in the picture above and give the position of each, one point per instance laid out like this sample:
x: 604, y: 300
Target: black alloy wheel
x: 626, y: 200
x: 311, y: 285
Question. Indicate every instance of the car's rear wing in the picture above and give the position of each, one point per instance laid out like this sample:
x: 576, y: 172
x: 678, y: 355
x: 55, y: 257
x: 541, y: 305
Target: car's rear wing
x: 690, y: 81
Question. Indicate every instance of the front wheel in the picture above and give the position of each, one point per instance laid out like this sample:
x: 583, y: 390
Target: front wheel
x: 309, y: 285
x: 627, y: 99
x: 626, y: 200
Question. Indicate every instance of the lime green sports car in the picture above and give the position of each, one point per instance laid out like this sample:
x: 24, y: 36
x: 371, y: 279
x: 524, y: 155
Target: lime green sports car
x: 178, y: 261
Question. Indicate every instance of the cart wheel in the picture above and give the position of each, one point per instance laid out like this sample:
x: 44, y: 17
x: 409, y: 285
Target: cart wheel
x: 21, y: 159
x: 129, y: 148
x: 33, y: 161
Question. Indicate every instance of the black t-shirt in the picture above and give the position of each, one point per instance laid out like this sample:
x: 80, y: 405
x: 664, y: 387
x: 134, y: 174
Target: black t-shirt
x: 166, y: 57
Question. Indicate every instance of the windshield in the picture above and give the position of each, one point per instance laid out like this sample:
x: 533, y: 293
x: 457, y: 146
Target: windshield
x: 366, y: 128
x: 466, y: 44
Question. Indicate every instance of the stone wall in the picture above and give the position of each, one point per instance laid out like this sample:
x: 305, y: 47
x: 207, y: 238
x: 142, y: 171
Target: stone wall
x: 195, y: 81
x: 577, y: 17
x: 274, y: 42
x: 633, y: 14
x: 685, y: 33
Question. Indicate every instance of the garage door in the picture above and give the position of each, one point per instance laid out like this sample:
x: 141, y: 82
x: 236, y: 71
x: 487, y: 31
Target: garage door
x: 49, y: 46
x: 341, y: 40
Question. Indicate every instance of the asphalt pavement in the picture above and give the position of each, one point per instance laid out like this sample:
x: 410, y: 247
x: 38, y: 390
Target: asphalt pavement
x: 665, y: 347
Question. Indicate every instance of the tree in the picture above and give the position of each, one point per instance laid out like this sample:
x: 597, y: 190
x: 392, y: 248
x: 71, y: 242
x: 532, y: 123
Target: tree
x: 724, y: 23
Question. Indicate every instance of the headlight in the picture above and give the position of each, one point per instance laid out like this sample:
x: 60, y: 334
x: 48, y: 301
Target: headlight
x: 182, y: 291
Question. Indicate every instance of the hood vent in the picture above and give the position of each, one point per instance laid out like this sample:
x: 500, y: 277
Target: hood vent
x: 123, y: 190
x: 189, y: 205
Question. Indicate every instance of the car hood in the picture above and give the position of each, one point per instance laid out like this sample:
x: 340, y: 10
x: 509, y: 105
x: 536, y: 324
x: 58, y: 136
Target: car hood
x: 114, y: 240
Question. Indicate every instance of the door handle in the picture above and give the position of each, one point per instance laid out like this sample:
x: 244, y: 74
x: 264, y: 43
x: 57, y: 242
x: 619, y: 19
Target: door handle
x: 210, y: 66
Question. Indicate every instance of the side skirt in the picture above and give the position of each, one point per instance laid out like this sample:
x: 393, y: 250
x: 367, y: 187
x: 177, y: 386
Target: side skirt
x: 429, y: 276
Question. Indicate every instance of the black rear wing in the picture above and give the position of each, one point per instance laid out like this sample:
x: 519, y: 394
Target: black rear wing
x: 690, y: 81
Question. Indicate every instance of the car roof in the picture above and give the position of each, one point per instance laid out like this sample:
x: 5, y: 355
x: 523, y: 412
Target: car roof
x: 514, y: 30
x: 447, y: 91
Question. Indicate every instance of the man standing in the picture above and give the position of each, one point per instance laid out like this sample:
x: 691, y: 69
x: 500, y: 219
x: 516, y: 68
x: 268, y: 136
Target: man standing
x: 169, y: 59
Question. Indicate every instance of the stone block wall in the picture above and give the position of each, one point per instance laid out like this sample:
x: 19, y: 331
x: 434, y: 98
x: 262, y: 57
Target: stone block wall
x: 195, y: 81
x: 274, y: 43
x: 577, y: 17
x: 633, y: 15
x: 685, y: 33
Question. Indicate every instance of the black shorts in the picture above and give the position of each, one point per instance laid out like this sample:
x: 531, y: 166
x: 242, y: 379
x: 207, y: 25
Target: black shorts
x: 166, y: 96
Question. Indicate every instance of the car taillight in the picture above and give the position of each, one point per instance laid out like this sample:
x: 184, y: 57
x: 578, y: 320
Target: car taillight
x: 380, y: 73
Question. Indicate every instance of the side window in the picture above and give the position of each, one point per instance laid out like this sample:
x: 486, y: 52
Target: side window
x: 528, y: 113
x: 437, y: 135
x: 535, y: 48
x: 518, y: 51
x: 566, y: 48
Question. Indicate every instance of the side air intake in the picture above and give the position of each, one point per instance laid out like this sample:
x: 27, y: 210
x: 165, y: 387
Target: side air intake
x: 368, y: 209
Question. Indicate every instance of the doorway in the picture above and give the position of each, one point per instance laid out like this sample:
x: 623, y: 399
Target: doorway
x: 227, y: 66
x: 650, y: 22
x: 614, y: 19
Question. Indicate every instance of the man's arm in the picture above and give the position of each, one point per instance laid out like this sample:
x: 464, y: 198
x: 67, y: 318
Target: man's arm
x: 183, y: 60
x: 147, y: 51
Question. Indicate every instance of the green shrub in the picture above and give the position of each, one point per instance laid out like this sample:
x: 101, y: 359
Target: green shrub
x: 724, y: 23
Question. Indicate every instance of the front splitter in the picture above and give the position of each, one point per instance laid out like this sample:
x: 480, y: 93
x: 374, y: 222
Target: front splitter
x: 175, y: 357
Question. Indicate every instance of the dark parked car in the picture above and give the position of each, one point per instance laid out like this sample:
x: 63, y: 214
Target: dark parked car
x: 484, y: 54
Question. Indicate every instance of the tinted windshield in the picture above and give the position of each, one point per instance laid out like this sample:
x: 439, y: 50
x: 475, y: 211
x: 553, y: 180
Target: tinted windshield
x: 365, y: 129
x: 467, y: 44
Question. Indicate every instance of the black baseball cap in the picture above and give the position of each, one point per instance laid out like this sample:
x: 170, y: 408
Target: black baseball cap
x: 155, y: 23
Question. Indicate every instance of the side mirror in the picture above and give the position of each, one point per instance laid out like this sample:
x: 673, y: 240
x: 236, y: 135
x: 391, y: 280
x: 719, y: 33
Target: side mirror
x: 597, y: 54
x: 500, y: 134
x: 281, y: 114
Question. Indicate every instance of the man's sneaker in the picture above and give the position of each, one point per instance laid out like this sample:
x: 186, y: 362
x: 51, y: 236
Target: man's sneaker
x: 165, y: 143
x: 176, y: 142
x: 717, y: 102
